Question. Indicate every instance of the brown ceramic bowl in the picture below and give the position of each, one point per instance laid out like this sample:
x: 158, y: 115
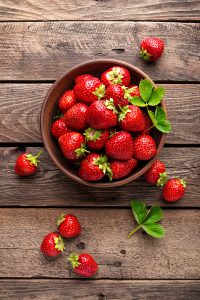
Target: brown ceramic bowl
x: 49, y: 108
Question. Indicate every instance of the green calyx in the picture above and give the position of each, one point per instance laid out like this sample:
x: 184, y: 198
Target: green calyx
x: 73, y: 259
x: 110, y: 105
x: 162, y: 179
x: 103, y: 164
x: 183, y: 182
x: 115, y: 77
x: 92, y: 134
x: 100, y: 91
x: 60, y: 219
x: 123, y: 112
x: 145, y: 55
x: 127, y: 92
x: 81, y: 151
x: 34, y: 159
x: 59, y: 244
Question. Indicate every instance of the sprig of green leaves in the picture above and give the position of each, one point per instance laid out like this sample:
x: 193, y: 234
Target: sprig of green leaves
x: 147, y: 219
x: 159, y: 119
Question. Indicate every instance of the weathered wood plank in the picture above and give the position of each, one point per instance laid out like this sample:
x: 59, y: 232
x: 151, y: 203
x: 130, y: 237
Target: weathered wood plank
x: 21, y: 105
x: 99, y: 289
x: 50, y: 187
x: 44, y: 50
x: 99, y: 10
x: 141, y: 257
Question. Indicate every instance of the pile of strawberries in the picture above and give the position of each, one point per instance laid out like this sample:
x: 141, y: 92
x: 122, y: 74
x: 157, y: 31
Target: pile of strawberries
x: 100, y: 129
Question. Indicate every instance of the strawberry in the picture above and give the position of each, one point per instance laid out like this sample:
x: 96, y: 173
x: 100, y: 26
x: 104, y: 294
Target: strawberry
x: 121, y: 169
x: 59, y: 128
x: 102, y: 114
x: 89, y: 90
x: 174, y: 190
x: 26, y: 164
x: 68, y: 226
x: 134, y: 90
x: 83, y: 264
x: 156, y: 174
x: 117, y: 93
x: 117, y: 74
x: 82, y: 77
x: 147, y: 123
x: 131, y: 118
x: 144, y: 147
x: 94, y: 167
x: 75, y: 117
x: 52, y: 245
x: 66, y: 101
x: 96, y: 139
x: 151, y: 49
x: 72, y: 145
x: 120, y: 146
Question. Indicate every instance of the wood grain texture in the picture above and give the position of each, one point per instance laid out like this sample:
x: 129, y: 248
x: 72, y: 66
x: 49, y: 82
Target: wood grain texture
x: 50, y: 187
x: 21, y: 105
x: 44, y: 50
x: 104, y: 235
x: 99, y: 10
x: 99, y: 289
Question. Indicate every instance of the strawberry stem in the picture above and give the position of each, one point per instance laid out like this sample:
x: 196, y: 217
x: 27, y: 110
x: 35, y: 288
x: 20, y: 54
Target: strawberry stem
x: 132, y: 232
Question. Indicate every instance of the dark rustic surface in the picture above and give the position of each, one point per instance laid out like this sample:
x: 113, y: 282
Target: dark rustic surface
x: 39, y: 41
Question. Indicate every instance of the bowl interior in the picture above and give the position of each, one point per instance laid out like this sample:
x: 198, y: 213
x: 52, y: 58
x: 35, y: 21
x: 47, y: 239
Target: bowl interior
x: 49, y: 110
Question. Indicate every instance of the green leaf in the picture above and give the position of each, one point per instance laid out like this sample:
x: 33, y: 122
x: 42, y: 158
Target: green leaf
x: 164, y: 126
x: 156, y: 96
x: 145, y: 88
x: 160, y: 114
x: 139, y: 210
x: 155, y: 230
x: 152, y: 116
x: 137, y: 101
x: 155, y: 214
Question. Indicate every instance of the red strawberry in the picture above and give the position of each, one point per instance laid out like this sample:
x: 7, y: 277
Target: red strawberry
x: 144, y: 147
x: 102, y: 114
x: 83, y: 264
x: 131, y: 118
x: 134, y: 90
x: 121, y: 169
x: 82, y: 77
x: 96, y: 139
x: 174, y: 190
x: 89, y: 90
x: 72, y: 145
x: 75, y: 117
x: 59, y: 128
x: 117, y: 93
x: 117, y: 74
x: 151, y: 48
x: 94, y: 167
x: 52, y: 244
x: 120, y: 146
x: 66, y: 101
x: 26, y: 164
x: 68, y: 226
x: 147, y: 123
x: 156, y: 174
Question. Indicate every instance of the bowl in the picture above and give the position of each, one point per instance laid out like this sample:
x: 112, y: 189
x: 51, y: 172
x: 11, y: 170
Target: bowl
x: 49, y: 108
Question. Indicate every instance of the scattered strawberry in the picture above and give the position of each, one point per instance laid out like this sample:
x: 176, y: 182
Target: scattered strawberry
x: 72, y: 145
x: 96, y: 139
x: 82, y: 77
x: 59, y: 128
x: 117, y: 93
x: 174, y: 190
x: 66, y: 101
x: 75, y: 117
x: 52, y: 244
x: 94, y: 167
x: 116, y: 75
x: 151, y: 49
x: 89, y: 90
x: 68, y: 226
x: 26, y: 164
x: 131, y: 118
x: 120, y: 146
x: 147, y: 123
x: 121, y: 169
x: 134, y: 90
x: 144, y: 147
x: 83, y: 264
x: 156, y: 174
x: 102, y: 114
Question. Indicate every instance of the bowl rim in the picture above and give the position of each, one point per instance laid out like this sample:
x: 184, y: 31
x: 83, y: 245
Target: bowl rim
x: 76, y: 178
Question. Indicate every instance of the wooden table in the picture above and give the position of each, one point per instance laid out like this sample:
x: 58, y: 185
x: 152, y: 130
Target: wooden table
x: 41, y: 39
